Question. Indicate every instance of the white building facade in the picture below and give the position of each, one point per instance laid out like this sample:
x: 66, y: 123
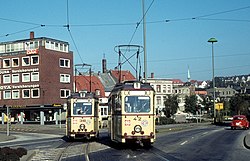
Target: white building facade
x: 162, y: 87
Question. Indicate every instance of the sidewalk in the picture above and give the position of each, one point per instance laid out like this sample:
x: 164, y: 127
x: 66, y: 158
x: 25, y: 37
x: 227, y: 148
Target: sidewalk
x: 30, y: 128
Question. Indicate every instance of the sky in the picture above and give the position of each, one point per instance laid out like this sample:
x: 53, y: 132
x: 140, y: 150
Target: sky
x: 176, y: 34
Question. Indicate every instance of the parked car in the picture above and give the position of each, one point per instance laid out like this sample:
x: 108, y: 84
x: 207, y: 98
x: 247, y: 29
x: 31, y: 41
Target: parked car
x: 240, y: 121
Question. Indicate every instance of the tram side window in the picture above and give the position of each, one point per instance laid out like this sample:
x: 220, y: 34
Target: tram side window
x: 137, y: 104
x: 81, y: 108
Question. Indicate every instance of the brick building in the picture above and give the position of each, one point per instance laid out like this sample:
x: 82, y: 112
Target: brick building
x: 36, y: 74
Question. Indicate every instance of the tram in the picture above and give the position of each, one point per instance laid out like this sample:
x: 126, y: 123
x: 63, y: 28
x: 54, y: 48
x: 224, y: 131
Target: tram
x: 82, y: 116
x: 132, y: 113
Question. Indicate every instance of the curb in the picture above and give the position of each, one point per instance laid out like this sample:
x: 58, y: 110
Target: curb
x: 28, y: 156
x: 246, y: 142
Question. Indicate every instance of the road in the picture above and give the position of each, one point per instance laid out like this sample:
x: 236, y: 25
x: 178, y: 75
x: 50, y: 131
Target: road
x: 197, y: 143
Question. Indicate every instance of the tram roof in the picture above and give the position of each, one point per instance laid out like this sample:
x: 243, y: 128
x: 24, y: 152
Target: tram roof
x: 130, y: 85
x: 83, y: 95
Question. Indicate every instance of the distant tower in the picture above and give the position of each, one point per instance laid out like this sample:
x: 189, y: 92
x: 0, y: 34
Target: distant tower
x: 104, y: 64
x: 188, y: 75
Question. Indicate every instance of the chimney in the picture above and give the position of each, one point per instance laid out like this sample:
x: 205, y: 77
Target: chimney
x: 152, y: 75
x: 32, y: 35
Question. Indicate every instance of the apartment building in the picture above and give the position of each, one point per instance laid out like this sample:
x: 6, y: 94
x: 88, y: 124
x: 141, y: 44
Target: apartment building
x: 36, y: 74
x: 162, y: 87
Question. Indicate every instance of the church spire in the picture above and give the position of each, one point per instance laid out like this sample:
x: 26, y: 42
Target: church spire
x: 188, y: 75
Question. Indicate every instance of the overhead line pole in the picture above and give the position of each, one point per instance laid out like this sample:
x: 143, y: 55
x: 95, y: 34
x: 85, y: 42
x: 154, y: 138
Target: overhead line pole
x: 144, y: 41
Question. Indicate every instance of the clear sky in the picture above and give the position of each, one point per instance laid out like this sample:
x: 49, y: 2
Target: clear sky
x: 177, y: 32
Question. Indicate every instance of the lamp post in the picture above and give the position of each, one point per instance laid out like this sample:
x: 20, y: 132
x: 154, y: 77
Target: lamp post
x: 213, y: 40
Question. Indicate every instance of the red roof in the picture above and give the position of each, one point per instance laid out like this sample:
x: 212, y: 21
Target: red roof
x: 177, y: 81
x: 125, y: 75
x: 83, y: 84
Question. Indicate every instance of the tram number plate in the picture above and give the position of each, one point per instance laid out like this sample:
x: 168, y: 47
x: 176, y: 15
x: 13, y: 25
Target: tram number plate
x: 83, y: 120
x: 127, y: 123
x: 137, y: 118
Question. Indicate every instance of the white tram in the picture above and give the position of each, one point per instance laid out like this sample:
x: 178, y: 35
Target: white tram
x: 82, y: 116
x: 132, y: 113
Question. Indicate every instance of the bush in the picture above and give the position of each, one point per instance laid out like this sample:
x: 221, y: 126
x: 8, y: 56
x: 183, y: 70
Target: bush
x: 164, y: 121
x: 6, y: 153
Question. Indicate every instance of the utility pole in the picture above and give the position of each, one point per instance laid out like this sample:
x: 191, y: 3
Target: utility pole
x: 8, y: 122
x: 144, y: 41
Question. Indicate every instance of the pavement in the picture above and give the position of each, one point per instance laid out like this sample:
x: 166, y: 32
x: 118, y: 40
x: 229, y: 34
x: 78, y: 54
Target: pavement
x: 30, y: 128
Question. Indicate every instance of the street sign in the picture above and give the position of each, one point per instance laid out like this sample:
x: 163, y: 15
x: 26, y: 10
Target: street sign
x: 219, y: 106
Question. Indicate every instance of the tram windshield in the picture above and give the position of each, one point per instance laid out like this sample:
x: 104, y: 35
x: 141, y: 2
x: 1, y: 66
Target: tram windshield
x: 82, y: 108
x: 137, y: 104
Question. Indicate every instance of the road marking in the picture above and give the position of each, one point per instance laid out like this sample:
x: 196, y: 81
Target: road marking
x: 184, y: 142
x: 86, y: 152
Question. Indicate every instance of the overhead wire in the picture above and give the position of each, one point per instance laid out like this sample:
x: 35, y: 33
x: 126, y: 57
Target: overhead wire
x: 71, y: 36
x: 201, y: 17
x: 132, y: 37
x: 25, y: 30
x: 205, y: 70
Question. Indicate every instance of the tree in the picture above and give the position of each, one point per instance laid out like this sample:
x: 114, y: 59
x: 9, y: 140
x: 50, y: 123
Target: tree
x: 240, y: 104
x: 171, y: 105
x: 208, y: 105
x: 191, y: 104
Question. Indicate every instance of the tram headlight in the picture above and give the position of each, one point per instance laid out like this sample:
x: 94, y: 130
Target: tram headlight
x: 82, y: 127
x: 137, y: 128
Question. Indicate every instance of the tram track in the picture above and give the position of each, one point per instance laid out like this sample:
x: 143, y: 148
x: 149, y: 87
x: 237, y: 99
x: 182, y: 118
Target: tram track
x: 65, y: 151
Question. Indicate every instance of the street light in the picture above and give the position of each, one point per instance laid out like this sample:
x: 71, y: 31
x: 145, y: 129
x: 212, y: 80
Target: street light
x: 213, y: 40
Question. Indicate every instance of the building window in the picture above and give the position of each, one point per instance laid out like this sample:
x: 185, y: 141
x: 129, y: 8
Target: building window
x: 15, y: 78
x: 26, y: 93
x: 64, y: 78
x: 64, y: 93
x: 35, y: 76
x: 158, y: 88
x: 6, y: 94
x: 15, y: 94
x: 2, y: 48
x: 6, y: 63
x: 52, y: 45
x: 158, y: 100
x: 25, y: 77
x: 65, y: 63
x: 164, y: 89
x: 98, y: 92
x: 34, y: 60
x: 26, y: 61
x: 35, y: 93
x: 169, y: 89
x: 65, y: 48
x: 56, y: 46
x: 61, y: 47
x: 15, y: 62
x: 6, y: 78
x: 7, y: 48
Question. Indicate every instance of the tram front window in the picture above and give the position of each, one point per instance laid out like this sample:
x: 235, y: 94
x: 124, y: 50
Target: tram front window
x: 82, y: 108
x: 137, y: 104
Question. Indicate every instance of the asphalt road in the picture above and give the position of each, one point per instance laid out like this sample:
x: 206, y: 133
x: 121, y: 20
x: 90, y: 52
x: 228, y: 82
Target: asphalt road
x: 174, y: 143
x: 196, y: 144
